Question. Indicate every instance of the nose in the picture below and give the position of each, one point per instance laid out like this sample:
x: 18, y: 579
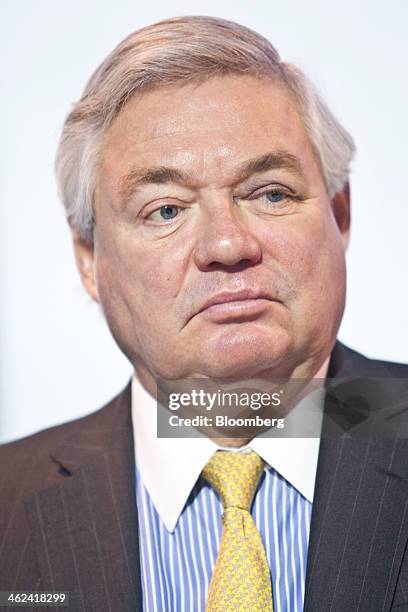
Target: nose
x: 224, y: 239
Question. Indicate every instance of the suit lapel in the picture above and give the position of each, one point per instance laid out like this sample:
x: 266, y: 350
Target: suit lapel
x: 84, y: 521
x: 359, y: 523
x: 84, y: 527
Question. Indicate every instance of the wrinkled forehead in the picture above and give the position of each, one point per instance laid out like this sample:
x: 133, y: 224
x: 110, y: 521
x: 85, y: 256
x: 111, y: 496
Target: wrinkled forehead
x: 210, y: 129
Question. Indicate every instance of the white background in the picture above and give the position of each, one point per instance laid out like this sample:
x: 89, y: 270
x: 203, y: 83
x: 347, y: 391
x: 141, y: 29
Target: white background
x: 58, y: 360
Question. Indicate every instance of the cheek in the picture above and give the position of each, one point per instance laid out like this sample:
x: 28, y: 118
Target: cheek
x: 308, y: 249
x: 159, y: 274
x: 138, y: 278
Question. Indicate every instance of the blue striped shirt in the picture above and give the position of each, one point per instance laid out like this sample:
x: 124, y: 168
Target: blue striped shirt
x: 176, y: 567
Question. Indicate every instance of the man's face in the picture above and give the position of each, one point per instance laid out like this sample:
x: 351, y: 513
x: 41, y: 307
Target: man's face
x: 212, y: 193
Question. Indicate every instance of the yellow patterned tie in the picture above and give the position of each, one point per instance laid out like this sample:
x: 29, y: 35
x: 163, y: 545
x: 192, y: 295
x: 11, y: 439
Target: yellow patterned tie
x: 241, y: 580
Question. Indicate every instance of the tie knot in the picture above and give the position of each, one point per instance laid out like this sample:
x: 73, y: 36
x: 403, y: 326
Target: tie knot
x: 235, y: 476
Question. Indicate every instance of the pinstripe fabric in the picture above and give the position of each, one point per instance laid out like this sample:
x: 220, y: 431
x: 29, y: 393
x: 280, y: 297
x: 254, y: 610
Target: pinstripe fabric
x: 68, y: 492
x: 177, y: 567
x: 70, y: 523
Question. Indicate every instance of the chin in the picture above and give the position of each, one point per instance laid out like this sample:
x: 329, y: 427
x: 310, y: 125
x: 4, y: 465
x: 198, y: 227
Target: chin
x: 244, y: 353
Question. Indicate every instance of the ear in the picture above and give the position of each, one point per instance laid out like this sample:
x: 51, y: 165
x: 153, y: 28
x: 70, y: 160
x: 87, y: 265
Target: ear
x: 84, y: 255
x: 340, y: 204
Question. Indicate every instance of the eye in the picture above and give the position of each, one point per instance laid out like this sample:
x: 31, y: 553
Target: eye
x: 167, y: 212
x: 277, y: 200
x: 275, y: 196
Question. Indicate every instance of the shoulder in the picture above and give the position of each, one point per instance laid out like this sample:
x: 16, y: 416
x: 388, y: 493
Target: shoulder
x: 347, y: 362
x: 32, y: 466
x: 394, y: 369
x: 35, y: 449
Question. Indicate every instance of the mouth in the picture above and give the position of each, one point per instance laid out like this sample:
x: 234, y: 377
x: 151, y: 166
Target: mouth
x: 238, y: 306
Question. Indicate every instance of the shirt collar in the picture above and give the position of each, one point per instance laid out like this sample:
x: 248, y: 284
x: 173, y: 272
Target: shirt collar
x: 170, y: 467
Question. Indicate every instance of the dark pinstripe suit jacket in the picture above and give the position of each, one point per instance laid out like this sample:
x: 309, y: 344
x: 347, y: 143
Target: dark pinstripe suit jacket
x: 68, y: 517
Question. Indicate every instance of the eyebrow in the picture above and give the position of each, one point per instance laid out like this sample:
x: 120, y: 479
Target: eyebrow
x: 160, y: 175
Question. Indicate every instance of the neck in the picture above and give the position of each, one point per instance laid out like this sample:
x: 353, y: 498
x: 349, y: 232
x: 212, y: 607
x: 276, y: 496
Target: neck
x: 149, y: 382
x: 239, y: 442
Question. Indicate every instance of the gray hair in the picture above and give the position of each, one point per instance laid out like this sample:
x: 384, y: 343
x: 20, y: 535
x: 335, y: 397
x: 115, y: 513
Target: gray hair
x: 183, y: 49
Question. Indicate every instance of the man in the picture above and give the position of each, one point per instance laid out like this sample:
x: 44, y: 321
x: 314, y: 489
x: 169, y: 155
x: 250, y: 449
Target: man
x: 206, y: 187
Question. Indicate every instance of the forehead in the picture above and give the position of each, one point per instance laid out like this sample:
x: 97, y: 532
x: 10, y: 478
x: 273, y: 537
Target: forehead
x: 212, y: 127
